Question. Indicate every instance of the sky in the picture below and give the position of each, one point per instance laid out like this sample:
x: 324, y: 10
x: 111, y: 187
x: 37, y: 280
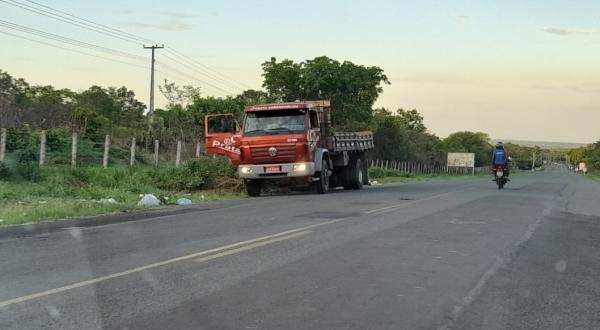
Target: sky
x: 525, y: 70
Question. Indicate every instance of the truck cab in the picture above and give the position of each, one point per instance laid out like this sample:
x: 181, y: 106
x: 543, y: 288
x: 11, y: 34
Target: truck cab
x: 286, y: 143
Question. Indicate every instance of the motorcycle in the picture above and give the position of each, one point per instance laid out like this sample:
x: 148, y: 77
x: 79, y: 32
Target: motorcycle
x: 499, y: 176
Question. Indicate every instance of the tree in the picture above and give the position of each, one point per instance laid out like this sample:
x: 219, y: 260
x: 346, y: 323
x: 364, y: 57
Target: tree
x: 177, y: 95
x: 12, y: 99
x: 131, y: 110
x: 589, y: 154
x: 253, y: 97
x: 352, y: 89
x: 47, y: 107
x: 390, y: 136
x: 475, y: 142
x: 282, y: 80
x: 412, y: 119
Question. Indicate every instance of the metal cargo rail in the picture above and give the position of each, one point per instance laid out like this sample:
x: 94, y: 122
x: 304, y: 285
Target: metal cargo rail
x: 353, y: 141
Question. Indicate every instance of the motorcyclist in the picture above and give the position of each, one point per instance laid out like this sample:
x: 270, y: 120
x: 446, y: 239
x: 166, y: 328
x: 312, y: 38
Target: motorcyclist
x: 500, y: 158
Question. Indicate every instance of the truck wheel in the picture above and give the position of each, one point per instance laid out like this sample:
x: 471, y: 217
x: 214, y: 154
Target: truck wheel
x: 366, y: 174
x: 357, y: 175
x: 347, y: 177
x: 322, y: 184
x: 253, y: 187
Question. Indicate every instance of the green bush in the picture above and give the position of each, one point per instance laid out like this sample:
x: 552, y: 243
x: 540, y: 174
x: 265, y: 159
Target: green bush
x: 58, y: 139
x: 194, y: 174
x: 19, y: 138
x: 5, y: 172
x: 378, y: 173
x: 29, y: 172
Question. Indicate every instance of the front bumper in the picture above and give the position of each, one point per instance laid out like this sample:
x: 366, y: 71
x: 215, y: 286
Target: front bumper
x: 288, y: 170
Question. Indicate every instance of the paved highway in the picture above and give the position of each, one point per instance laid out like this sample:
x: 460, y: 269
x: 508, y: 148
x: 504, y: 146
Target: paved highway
x: 454, y: 254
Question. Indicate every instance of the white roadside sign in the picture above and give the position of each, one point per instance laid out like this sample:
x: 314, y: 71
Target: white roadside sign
x: 461, y: 159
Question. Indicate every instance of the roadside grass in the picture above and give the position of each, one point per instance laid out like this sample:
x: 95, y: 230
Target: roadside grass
x: 594, y: 175
x: 30, y: 195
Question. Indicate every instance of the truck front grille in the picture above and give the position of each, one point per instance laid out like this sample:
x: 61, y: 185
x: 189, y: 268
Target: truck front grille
x: 285, y: 153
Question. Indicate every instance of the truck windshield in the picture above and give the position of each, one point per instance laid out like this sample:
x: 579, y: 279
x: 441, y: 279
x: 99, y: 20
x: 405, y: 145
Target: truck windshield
x: 274, y: 122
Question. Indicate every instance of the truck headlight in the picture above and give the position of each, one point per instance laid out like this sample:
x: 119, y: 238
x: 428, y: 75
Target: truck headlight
x: 300, y: 167
x: 245, y: 170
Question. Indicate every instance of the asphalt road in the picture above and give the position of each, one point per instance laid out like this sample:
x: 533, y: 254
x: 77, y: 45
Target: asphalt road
x: 442, y: 254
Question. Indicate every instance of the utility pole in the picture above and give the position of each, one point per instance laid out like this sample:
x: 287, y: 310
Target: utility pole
x: 533, y: 162
x: 151, y: 107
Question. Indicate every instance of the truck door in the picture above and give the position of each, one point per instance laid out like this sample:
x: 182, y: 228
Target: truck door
x: 313, y: 133
x: 222, y: 136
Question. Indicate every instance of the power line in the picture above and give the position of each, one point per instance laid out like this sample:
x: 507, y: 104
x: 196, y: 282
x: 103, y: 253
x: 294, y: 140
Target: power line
x: 116, y: 33
x: 67, y: 20
x: 67, y: 40
x: 72, y: 50
x: 181, y: 73
x: 76, y: 43
x: 223, y: 82
x: 198, y: 64
x: 134, y: 36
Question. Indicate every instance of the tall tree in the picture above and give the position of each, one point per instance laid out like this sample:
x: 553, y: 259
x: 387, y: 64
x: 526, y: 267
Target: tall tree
x: 352, y: 89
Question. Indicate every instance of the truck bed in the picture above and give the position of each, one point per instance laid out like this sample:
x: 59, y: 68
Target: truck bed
x: 352, y: 141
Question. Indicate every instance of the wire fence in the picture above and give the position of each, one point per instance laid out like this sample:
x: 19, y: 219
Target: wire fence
x: 56, y: 147
x: 424, y: 168
x: 59, y: 147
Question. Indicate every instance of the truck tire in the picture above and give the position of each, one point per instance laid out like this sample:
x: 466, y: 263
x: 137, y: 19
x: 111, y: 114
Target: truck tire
x: 253, y: 188
x: 322, y: 184
x: 354, y: 175
x: 357, y: 175
x: 366, y: 173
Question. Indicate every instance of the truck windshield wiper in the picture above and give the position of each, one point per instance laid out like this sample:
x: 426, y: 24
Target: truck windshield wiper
x: 279, y: 129
x: 255, y: 131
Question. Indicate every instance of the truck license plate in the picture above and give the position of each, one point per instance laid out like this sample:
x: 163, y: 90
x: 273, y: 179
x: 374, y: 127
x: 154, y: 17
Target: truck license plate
x: 272, y: 169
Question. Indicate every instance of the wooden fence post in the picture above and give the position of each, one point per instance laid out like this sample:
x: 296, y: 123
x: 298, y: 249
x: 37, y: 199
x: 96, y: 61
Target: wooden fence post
x: 74, y: 150
x: 156, y: 146
x: 42, y: 147
x: 178, y: 156
x: 106, y: 149
x: 198, y: 150
x: 2, y: 143
x: 132, y: 158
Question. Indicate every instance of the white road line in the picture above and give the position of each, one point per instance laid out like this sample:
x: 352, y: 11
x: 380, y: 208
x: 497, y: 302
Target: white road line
x: 163, y: 263
x: 251, y: 246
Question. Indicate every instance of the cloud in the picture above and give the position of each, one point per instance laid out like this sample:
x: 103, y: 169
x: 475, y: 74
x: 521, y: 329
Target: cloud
x: 462, y: 17
x: 564, y: 32
x: 542, y: 87
x: 178, y: 15
x: 586, y: 88
x: 173, y: 22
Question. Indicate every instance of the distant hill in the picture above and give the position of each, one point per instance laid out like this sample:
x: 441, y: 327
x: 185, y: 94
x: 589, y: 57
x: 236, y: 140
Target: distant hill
x: 542, y: 144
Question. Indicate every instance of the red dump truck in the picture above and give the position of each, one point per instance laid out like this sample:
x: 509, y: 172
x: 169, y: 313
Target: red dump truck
x: 292, y: 144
